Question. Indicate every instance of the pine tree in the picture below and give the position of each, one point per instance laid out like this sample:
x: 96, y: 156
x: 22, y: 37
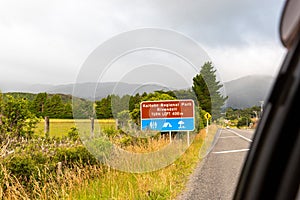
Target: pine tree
x: 134, y: 100
x: 54, y: 107
x: 38, y: 104
x: 207, y: 90
x: 103, y: 108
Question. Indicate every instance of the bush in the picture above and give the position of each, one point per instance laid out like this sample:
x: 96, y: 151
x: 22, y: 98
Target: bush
x: 123, y: 118
x: 101, y: 147
x: 16, y: 119
x: 125, y: 140
x: 110, y: 131
x: 73, y: 134
x: 243, y: 122
x: 200, y: 121
x: 74, y: 155
x: 23, y: 168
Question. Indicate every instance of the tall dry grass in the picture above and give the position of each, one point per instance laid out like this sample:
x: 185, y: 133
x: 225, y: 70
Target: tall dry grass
x: 165, y: 183
x: 47, y: 185
x: 102, y: 182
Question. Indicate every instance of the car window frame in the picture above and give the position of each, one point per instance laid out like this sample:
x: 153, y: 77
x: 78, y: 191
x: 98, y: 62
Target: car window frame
x: 272, y: 167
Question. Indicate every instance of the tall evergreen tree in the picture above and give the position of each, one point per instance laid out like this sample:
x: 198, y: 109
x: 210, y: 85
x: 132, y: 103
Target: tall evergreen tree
x: 82, y: 109
x: 133, y: 101
x: 119, y: 104
x: 207, y: 90
x: 68, y: 113
x: 38, y: 104
x: 54, y: 107
x: 103, y: 108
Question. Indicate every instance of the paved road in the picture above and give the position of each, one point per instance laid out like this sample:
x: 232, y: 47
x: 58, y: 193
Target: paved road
x: 217, y: 175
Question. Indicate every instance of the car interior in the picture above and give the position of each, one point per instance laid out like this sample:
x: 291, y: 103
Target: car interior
x: 272, y: 167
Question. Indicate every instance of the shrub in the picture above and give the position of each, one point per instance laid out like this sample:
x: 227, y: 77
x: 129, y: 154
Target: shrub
x: 101, y: 147
x: 110, y: 131
x: 74, y: 155
x: 22, y: 167
x: 73, y: 134
x: 125, y: 140
x: 243, y: 122
x: 16, y: 119
x: 123, y: 118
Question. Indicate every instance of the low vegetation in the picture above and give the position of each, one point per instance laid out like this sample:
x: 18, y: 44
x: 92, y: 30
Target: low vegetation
x: 166, y: 183
x: 242, y: 118
x: 46, y: 168
x: 56, y: 165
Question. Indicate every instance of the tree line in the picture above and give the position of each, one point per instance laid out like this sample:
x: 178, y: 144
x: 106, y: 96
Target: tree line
x: 205, y: 92
x: 243, y: 117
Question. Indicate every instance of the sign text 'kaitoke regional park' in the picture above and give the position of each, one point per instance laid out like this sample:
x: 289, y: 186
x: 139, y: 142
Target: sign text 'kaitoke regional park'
x: 169, y: 115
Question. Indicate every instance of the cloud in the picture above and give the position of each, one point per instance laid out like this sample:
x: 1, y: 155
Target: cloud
x: 262, y: 59
x: 48, y: 41
x: 215, y: 22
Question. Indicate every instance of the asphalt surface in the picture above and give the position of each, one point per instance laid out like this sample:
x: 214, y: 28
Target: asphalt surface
x: 217, y: 175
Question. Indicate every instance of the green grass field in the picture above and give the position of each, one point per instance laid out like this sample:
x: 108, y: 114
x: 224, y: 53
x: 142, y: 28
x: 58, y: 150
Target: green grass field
x: 61, y: 127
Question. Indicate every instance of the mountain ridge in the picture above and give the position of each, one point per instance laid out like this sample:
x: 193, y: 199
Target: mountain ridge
x: 248, y: 91
x: 242, y: 92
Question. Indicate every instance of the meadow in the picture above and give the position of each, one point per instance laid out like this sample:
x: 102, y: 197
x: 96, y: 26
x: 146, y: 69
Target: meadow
x: 61, y: 127
x: 61, y: 168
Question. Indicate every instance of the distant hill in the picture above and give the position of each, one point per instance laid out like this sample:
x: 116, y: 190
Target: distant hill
x: 82, y: 90
x: 66, y: 98
x: 23, y: 87
x: 98, y: 91
x: 248, y: 91
x: 243, y: 92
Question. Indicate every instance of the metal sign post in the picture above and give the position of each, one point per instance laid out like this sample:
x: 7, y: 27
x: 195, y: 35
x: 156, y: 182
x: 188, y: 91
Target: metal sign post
x: 207, y: 116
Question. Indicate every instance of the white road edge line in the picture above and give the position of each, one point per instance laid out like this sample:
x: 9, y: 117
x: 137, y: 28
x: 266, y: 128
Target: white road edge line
x: 230, y: 151
x: 247, y: 139
x: 228, y: 137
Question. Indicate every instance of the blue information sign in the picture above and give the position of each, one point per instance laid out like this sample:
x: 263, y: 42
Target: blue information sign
x: 169, y: 115
x: 169, y: 124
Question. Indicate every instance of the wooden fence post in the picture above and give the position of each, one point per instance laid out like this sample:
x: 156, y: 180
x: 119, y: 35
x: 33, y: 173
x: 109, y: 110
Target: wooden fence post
x: 117, y: 124
x: 47, y: 126
x: 92, y: 126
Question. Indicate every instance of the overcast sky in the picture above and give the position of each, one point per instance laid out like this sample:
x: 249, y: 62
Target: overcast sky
x: 47, y: 42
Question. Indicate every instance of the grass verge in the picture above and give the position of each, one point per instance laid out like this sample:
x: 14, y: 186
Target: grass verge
x: 166, y: 183
x: 53, y: 168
